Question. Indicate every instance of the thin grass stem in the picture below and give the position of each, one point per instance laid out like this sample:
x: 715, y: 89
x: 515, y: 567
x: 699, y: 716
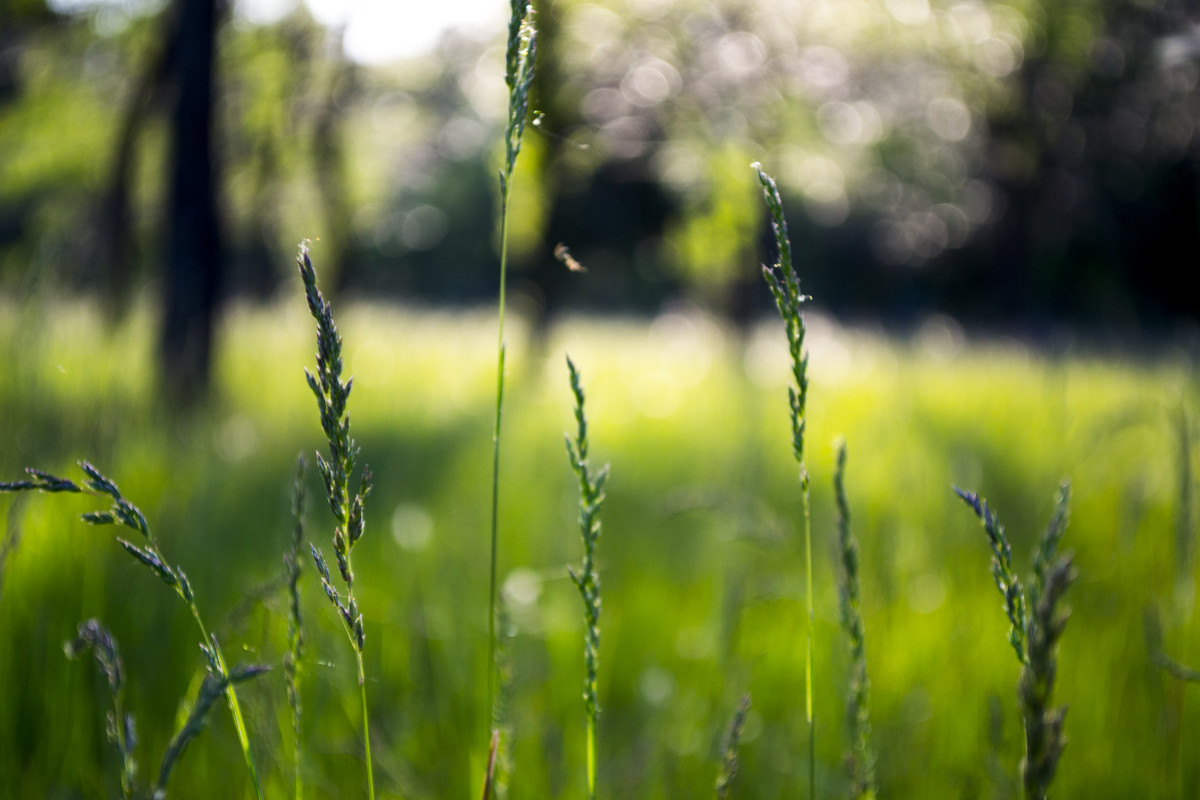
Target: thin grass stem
x: 331, y: 394
x: 362, y: 693
x: 518, y: 75
x: 785, y: 288
x: 295, y: 629
x: 587, y: 578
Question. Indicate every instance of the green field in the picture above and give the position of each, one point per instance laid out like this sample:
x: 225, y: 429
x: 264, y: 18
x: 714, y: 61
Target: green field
x: 701, y: 561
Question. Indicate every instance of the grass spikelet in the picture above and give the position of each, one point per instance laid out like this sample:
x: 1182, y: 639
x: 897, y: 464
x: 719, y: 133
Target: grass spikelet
x: 1042, y: 621
x: 729, y: 749
x: 520, y: 55
x: 860, y: 759
x: 121, y: 512
x: 785, y: 288
x: 1002, y: 572
x: 211, y: 689
x: 295, y: 630
x: 587, y: 579
x: 121, y: 729
x: 332, y: 394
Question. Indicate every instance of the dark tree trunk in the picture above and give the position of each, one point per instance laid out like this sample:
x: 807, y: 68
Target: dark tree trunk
x: 193, y: 260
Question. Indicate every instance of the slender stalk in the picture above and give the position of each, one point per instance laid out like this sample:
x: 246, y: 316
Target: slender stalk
x: 491, y: 661
x: 808, y: 665
x: 295, y: 629
x: 785, y: 288
x: 362, y: 693
x: 587, y: 578
x: 331, y: 394
x: 861, y: 760
x: 518, y: 75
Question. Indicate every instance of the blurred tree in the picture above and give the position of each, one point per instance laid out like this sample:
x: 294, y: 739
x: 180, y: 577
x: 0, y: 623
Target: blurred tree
x: 193, y: 262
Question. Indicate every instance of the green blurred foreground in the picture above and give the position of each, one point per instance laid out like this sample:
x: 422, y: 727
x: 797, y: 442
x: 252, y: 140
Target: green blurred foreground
x: 700, y: 562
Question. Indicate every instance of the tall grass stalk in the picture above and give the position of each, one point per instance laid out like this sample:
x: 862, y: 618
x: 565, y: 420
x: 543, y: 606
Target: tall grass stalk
x: 587, y: 579
x: 331, y: 394
x: 785, y: 287
x: 295, y: 630
x: 519, y: 59
x: 1037, y: 622
x: 122, y: 512
x: 861, y: 759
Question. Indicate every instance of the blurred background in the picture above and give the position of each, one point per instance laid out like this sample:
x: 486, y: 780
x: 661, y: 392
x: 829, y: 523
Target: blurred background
x: 1019, y: 166
x: 996, y: 207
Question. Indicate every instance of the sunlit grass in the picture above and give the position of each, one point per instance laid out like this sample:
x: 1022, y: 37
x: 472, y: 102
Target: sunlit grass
x: 702, y: 593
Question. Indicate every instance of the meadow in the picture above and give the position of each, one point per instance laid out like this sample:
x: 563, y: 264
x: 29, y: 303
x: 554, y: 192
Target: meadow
x: 702, y: 565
